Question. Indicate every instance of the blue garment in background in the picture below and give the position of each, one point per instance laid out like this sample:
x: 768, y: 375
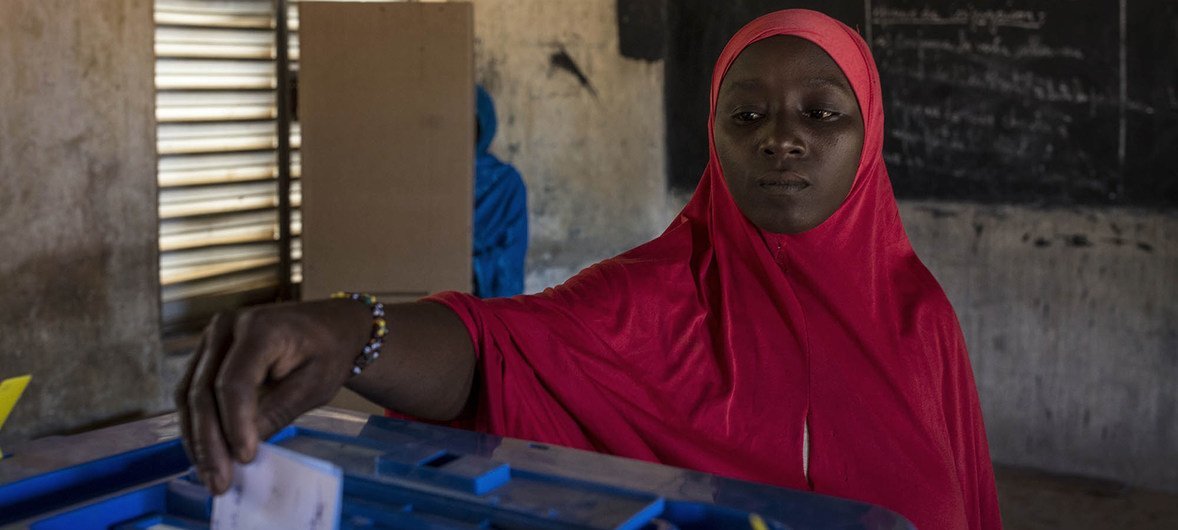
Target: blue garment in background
x: 500, y: 213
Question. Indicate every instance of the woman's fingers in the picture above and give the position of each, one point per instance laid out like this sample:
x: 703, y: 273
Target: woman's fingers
x: 255, y: 372
x: 271, y: 344
x: 180, y: 396
x: 239, y: 379
x: 206, y: 442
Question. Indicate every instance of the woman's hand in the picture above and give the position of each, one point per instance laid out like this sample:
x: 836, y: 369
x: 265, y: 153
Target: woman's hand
x: 256, y: 370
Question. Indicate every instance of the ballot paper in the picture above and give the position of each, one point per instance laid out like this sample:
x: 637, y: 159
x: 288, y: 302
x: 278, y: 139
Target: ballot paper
x: 281, y: 489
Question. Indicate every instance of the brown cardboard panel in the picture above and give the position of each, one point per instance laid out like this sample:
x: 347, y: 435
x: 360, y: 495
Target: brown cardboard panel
x: 386, y: 105
x: 346, y: 399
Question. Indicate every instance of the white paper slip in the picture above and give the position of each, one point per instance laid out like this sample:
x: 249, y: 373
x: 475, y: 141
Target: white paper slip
x: 281, y: 489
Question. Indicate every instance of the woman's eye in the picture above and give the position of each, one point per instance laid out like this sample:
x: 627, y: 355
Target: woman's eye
x: 746, y: 116
x: 821, y: 115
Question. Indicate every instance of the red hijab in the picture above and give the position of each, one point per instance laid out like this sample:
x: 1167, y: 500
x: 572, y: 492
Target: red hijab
x: 712, y: 346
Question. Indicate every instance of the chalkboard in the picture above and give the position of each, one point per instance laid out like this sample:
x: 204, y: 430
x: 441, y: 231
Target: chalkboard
x: 998, y: 103
x: 1053, y: 102
x: 1151, y: 162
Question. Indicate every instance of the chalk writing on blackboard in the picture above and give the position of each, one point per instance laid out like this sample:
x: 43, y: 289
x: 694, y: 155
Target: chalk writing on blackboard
x: 884, y: 16
x: 998, y: 103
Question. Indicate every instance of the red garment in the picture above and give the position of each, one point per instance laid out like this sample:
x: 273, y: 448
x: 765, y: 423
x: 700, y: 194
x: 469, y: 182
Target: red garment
x: 708, y: 347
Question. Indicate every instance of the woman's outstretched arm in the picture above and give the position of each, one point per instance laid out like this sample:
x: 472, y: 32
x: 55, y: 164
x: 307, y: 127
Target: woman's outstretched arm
x: 257, y: 369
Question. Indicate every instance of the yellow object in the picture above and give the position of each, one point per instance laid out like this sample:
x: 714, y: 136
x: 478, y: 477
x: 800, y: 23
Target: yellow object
x: 757, y: 523
x: 10, y: 391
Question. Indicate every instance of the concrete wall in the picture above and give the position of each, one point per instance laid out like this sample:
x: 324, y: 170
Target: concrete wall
x: 78, y: 227
x: 591, y: 151
x: 1069, y: 316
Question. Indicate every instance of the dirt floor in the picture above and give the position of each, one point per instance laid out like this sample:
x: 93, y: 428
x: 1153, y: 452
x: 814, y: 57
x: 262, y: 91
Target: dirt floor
x: 1033, y: 500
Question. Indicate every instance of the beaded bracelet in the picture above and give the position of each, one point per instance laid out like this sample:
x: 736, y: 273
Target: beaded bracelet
x: 380, y: 328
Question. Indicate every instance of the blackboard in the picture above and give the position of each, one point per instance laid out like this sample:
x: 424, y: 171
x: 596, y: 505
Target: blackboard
x: 1000, y: 103
x: 1051, y: 102
x: 1151, y: 162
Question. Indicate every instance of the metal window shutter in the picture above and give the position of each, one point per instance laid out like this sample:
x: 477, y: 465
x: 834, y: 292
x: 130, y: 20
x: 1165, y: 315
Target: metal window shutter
x: 218, y: 161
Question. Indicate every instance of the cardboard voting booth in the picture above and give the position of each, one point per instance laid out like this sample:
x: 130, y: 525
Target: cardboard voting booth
x: 386, y: 110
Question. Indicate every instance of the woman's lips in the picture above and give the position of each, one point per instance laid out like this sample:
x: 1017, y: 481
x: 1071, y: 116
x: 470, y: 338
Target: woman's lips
x: 783, y: 182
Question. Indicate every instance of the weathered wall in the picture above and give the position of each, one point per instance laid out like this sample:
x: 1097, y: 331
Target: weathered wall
x: 77, y: 212
x: 1069, y: 315
x: 591, y: 150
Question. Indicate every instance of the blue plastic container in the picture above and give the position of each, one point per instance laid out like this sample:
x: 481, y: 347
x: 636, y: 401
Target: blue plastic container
x: 400, y: 474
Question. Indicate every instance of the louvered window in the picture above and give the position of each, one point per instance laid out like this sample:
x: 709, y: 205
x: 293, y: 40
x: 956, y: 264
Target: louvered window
x: 221, y: 162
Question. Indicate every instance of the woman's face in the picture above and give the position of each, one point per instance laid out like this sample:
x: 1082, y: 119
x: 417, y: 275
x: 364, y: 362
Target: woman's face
x: 788, y: 133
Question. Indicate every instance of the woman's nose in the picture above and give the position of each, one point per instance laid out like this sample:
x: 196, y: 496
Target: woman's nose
x: 782, y: 140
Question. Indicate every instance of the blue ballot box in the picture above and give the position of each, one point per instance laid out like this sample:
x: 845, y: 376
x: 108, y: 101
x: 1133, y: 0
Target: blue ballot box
x: 399, y: 474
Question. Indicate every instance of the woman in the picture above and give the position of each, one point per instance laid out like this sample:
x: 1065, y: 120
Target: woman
x: 500, y: 212
x: 780, y: 330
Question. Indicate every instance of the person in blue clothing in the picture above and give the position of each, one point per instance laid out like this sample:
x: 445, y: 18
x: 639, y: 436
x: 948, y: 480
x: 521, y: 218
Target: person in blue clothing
x: 500, y: 213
